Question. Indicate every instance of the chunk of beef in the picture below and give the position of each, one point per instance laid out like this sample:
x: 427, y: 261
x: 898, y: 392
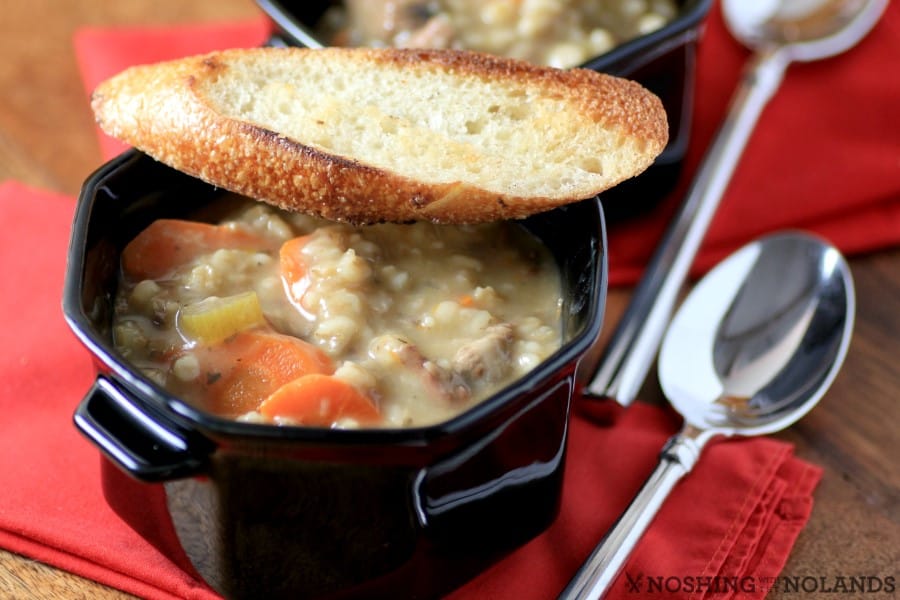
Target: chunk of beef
x: 486, y: 358
x: 439, y: 382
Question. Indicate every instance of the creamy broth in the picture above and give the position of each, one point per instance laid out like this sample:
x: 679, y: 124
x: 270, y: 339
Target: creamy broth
x: 558, y: 33
x: 280, y: 318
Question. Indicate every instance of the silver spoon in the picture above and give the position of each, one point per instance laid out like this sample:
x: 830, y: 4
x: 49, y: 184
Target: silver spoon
x: 780, y: 31
x: 753, y: 348
x: 292, y: 28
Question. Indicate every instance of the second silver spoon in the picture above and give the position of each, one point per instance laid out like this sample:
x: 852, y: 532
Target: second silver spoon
x: 752, y: 349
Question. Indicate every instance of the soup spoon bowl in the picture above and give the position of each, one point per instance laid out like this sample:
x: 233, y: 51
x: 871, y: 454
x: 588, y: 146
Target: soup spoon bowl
x: 753, y: 348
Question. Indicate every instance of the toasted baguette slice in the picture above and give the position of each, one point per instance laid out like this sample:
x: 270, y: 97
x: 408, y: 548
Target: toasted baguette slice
x: 365, y: 135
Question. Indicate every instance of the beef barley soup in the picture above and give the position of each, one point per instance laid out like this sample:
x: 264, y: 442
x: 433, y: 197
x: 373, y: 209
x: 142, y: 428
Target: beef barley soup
x: 280, y: 318
x: 558, y: 33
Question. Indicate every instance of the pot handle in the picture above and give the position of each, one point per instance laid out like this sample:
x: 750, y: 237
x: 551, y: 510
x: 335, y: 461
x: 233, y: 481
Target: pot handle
x: 139, y: 443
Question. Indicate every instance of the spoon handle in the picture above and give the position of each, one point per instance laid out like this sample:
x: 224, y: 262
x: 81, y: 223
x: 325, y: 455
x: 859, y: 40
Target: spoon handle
x: 630, y: 352
x: 604, y: 564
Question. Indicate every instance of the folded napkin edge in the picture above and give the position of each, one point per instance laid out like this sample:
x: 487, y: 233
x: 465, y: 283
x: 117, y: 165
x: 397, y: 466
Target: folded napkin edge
x: 765, y: 477
x: 83, y: 567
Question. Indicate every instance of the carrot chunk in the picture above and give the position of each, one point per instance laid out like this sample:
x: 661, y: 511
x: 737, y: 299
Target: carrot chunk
x: 168, y: 243
x: 241, y: 372
x: 319, y: 400
x: 294, y: 271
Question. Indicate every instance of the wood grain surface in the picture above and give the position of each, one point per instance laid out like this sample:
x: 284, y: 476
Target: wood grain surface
x: 47, y: 139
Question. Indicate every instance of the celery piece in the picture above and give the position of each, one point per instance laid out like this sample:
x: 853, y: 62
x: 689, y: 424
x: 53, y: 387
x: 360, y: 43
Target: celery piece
x: 214, y: 319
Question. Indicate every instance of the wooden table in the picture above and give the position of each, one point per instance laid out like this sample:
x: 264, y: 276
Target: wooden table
x: 47, y: 139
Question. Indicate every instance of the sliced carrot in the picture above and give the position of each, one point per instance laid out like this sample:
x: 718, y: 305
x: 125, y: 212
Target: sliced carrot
x: 294, y: 270
x: 466, y: 300
x: 168, y: 243
x: 319, y: 400
x: 245, y: 369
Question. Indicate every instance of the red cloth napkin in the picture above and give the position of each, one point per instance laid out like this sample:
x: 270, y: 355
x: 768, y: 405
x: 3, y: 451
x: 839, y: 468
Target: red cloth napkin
x: 826, y: 157
x: 734, y: 519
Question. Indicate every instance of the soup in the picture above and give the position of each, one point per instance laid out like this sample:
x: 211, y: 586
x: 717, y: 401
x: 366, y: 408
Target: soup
x: 272, y: 317
x: 558, y: 33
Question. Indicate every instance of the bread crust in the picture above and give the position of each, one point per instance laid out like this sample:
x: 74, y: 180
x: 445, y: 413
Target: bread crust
x: 162, y: 110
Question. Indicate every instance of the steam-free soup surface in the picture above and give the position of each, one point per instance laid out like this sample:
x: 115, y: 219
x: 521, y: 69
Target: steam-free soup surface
x: 559, y: 33
x: 279, y: 318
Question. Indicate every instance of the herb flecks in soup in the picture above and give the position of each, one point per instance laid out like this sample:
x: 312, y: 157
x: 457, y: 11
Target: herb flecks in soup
x: 280, y: 318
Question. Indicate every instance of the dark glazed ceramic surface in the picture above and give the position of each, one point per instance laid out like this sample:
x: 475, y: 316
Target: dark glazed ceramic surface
x: 303, y: 512
x: 663, y: 61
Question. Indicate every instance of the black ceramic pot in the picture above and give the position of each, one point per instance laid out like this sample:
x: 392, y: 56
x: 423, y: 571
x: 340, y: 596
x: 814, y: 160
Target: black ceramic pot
x: 663, y: 61
x: 260, y: 511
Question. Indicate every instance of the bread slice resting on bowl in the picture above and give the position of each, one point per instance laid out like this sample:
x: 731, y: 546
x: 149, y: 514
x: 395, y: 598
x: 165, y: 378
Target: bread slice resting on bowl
x: 371, y: 135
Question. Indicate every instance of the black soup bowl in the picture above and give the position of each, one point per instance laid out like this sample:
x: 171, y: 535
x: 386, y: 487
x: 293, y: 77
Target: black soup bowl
x: 290, y: 512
